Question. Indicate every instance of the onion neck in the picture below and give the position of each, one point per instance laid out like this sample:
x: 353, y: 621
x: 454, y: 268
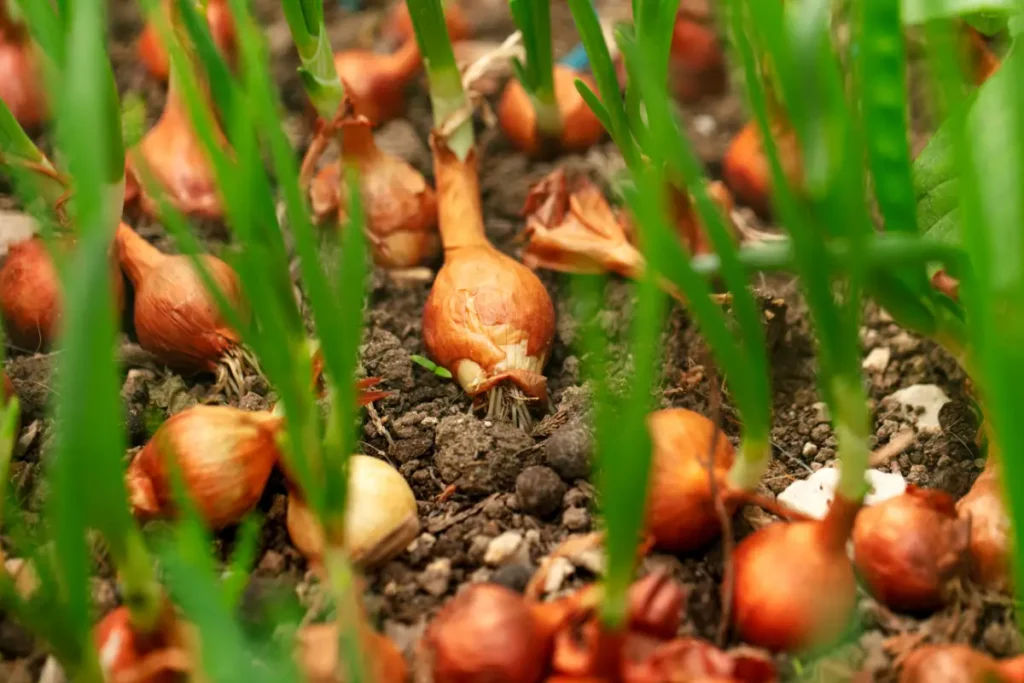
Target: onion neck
x: 137, y: 256
x: 357, y: 140
x: 404, y: 63
x: 835, y: 529
x: 460, y: 214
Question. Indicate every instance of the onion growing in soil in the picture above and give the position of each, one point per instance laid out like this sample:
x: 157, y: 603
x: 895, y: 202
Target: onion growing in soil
x: 745, y: 167
x: 376, y: 82
x: 401, y: 208
x: 909, y: 548
x: 991, y: 533
x: 153, y: 54
x: 126, y: 655
x: 697, y: 62
x: 176, y: 319
x: 399, y: 24
x: 21, y: 82
x: 318, y: 655
x: 31, y: 296
x: 488, y: 319
x: 575, y: 129
x: 224, y: 455
x: 958, y: 664
x: 381, y: 516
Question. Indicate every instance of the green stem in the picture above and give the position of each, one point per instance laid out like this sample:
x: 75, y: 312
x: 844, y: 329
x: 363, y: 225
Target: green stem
x: 341, y: 580
x: 142, y: 594
x: 319, y: 77
x: 754, y: 457
x: 852, y: 425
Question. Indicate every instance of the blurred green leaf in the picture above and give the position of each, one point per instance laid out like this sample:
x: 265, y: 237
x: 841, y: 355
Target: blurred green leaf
x: 921, y: 11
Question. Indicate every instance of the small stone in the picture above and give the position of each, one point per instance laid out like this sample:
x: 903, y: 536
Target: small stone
x: 514, y: 576
x: 704, y: 125
x: 434, y: 579
x: 567, y: 451
x: 904, y: 344
x: 877, y: 360
x: 820, y: 433
x: 502, y: 547
x: 813, y: 495
x: 539, y: 491
x: 821, y: 413
x: 423, y: 543
x: 478, y: 548
x: 575, y: 498
x: 559, y: 569
x: 810, y: 450
x: 272, y: 562
x: 927, y: 400
x: 576, y: 519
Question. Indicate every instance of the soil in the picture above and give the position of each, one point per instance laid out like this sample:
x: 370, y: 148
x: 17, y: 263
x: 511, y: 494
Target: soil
x: 519, y: 495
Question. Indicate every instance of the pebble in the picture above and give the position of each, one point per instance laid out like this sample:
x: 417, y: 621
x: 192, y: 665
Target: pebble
x: 513, y: 576
x: 904, y: 343
x: 928, y: 400
x: 813, y: 495
x: 272, y: 562
x: 704, y: 125
x: 575, y: 498
x: 576, y: 519
x: 502, y: 547
x: 810, y: 450
x: 567, y: 451
x: 821, y: 413
x: 539, y: 491
x: 559, y: 569
x: 435, y: 578
x: 820, y: 433
x: 478, y: 548
x: 877, y: 360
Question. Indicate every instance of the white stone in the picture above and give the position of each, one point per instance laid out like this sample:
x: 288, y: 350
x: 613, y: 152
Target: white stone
x: 435, y: 576
x: 877, y: 360
x: 15, y: 227
x: 559, y: 569
x: 813, y: 495
x: 704, y: 125
x: 502, y: 547
x: 821, y: 413
x: 929, y: 399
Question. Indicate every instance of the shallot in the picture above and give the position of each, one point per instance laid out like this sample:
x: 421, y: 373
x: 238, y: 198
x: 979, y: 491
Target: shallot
x: 376, y: 82
x: 222, y: 27
x: 318, y: 655
x: 21, y: 86
x: 991, y: 533
x: 125, y: 655
x: 697, y: 61
x: 959, y: 664
x: 745, y: 167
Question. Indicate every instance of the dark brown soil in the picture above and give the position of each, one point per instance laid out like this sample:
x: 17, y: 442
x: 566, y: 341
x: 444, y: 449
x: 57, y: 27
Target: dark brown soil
x: 533, y: 490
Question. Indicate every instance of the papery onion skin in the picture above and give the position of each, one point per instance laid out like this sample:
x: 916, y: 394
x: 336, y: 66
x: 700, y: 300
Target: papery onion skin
x: 318, y: 655
x: 380, y: 521
x: 958, y: 664
x: 650, y: 660
x: 697, y: 62
x: 745, y: 166
x: 681, y: 513
x: 908, y: 548
x: 20, y: 77
x: 399, y: 24
x: 125, y: 654
x: 176, y: 319
x: 795, y: 588
x: 375, y: 82
x: 486, y: 633
x: 581, y: 129
x: 225, y: 456
x: 222, y: 27
x: 655, y: 605
x: 400, y: 206
x: 991, y: 531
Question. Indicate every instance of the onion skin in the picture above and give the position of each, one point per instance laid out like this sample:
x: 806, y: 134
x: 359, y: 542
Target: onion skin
x: 991, y: 532
x: 745, y: 167
x: 401, y: 208
x: 375, y: 82
x: 20, y: 77
x: 697, y: 62
x: 222, y: 27
x: 126, y: 655
x: 984, y: 62
x: 31, y: 299
x: 908, y: 548
x: 486, y: 633
x: 176, y: 319
x: 399, y: 24
x: 581, y: 129
x: 225, y: 456
x: 681, y: 513
x: 958, y: 664
x: 795, y: 588
x: 488, y: 318
x: 9, y: 391
x: 318, y: 655
x: 689, y: 660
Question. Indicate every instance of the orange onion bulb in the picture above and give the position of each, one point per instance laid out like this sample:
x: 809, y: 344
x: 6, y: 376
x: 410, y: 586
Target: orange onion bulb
x: 908, y: 548
x: 795, y: 587
x: 126, y: 655
x: 222, y: 27
x: 225, y: 457
x: 398, y: 28
x: 575, y: 129
x: 401, y: 207
x: 376, y: 82
x: 991, y: 532
x: 958, y: 664
x: 176, y: 319
x: 318, y: 655
x: 31, y: 297
x: 745, y: 167
x: 488, y: 318
x: 21, y: 87
x: 697, y: 62
x: 486, y: 633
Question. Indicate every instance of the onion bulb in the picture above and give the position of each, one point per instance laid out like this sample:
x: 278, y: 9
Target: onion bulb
x: 991, y: 532
x: 126, y: 655
x: 486, y: 633
x: 381, y: 516
x: 745, y: 167
x: 224, y: 455
x: 697, y: 62
x: 172, y: 153
x: 318, y: 655
x: 401, y: 208
x: 31, y: 297
x: 908, y: 548
x: 21, y: 87
x: 376, y: 82
x: 983, y: 61
x: 693, y: 660
x: 176, y: 319
x: 398, y: 28
x: 488, y: 318
x: 958, y: 664
x: 572, y: 128
x: 795, y: 587
x: 222, y: 27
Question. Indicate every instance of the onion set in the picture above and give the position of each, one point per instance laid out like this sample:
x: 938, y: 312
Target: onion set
x: 318, y: 655
x: 376, y: 82
x: 126, y: 655
x: 401, y: 207
x: 697, y: 62
x: 909, y: 548
x: 958, y: 664
x: 991, y: 533
x: 745, y: 166
x: 176, y: 318
x: 21, y: 87
x: 153, y: 54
